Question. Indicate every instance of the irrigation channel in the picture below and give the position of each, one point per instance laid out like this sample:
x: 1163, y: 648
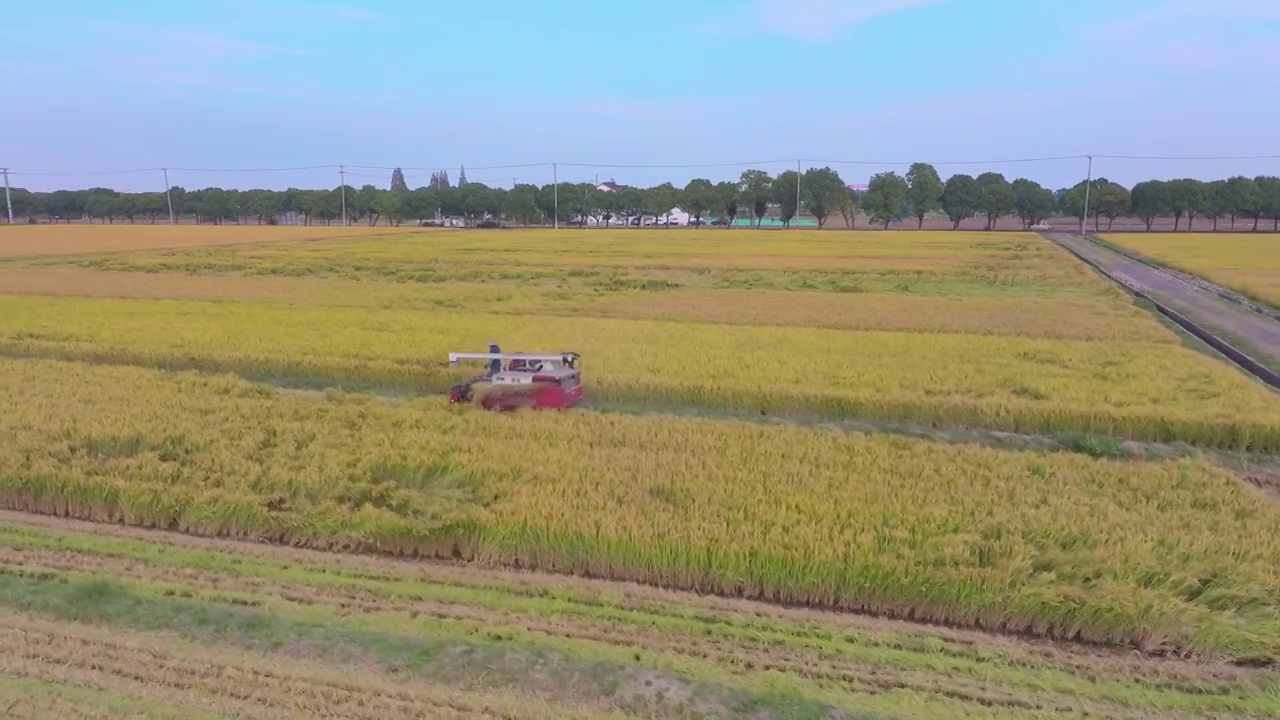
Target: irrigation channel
x: 1246, y: 335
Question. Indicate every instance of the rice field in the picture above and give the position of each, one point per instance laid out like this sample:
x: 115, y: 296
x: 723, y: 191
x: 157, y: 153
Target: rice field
x: 188, y: 627
x: 822, y: 438
x: 1245, y: 262
x: 981, y: 331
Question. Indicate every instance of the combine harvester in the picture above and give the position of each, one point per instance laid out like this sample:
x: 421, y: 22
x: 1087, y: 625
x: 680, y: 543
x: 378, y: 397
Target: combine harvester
x: 538, y: 381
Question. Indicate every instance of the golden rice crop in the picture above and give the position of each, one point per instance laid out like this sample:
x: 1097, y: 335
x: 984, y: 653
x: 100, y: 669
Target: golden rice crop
x: 1140, y: 391
x: 1245, y: 262
x: 1085, y: 318
x: 1175, y: 553
x: 1004, y: 259
x: 27, y: 240
x: 1105, y: 316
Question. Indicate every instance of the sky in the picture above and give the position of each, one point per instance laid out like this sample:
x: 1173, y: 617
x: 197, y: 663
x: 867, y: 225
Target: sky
x: 507, y: 87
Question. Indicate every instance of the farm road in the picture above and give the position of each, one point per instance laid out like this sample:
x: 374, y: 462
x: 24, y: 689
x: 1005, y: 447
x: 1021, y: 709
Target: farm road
x: 1253, y: 334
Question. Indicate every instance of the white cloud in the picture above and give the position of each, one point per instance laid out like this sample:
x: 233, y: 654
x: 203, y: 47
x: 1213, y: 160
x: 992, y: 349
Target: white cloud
x: 206, y: 47
x: 1187, y: 14
x: 1233, y: 39
x: 173, y: 60
x: 812, y: 20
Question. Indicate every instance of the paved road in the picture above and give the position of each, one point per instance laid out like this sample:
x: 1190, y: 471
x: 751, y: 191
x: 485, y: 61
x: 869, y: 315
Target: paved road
x: 1253, y: 334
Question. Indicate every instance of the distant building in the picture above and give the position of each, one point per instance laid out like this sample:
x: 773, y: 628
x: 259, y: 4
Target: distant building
x: 611, y: 186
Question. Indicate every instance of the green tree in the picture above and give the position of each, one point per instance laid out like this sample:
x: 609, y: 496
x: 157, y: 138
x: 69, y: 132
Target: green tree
x: 630, y: 202
x: 153, y: 205
x: 1242, y: 198
x: 1031, y: 202
x: 698, y: 196
x: 729, y: 199
x: 1074, y: 201
x: 755, y: 188
x: 822, y: 189
x: 1186, y: 197
x: 783, y: 190
x: 846, y: 203
x: 997, y: 197
x: 365, y: 203
x: 925, y: 191
x: 610, y: 209
x: 1268, y: 203
x: 660, y: 200
x: 397, y: 180
x: 1113, y: 202
x: 1150, y: 200
x: 521, y: 204
x: 1217, y: 202
x: 393, y: 205
x: 886, y: 197
x: 262, y: 204
x: 961, y: 199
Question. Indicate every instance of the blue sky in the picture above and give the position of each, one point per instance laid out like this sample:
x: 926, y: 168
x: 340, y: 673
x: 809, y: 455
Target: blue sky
x: 96, y: 86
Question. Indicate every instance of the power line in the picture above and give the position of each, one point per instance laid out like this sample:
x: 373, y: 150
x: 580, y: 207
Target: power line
x: 676, y: 167
x: 86, y: 172
x: 653, y: 166
x: 65, y: 173
x: 1189, y: 157
x: 953, y: 162
x: 257, y: 170
x: 445, y: 167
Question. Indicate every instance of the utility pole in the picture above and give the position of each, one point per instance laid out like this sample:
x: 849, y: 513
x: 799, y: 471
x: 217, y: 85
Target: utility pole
x: 168, y: 194
x: 342, y: 173
x: 1087, y: 182
x: 555, y: 193
x: 8, y: 201
x: 797, y: 217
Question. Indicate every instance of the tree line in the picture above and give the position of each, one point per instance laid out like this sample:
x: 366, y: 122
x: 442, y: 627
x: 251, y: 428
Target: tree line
x: 755, y: 195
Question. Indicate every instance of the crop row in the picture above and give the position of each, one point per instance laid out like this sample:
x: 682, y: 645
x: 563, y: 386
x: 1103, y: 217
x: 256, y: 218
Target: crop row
x: 852, y: 662
x: 1143, y: 391
x: 34, y: 240
x: 846, y: 262
x: 1246, y: 263
x: 1103, y: 316
x: 1174, y: 553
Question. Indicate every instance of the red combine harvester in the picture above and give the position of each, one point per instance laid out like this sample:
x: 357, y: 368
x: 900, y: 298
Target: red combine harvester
x: 524, y: 381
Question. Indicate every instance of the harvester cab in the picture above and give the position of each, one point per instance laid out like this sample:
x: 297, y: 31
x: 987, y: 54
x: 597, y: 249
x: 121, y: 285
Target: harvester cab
x: 516, y: 380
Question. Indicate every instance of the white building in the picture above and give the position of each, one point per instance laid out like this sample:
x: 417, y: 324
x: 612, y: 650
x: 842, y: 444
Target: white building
x: 675, y: 217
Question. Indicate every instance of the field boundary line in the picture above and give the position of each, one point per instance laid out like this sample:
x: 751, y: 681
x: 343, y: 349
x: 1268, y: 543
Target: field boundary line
x: 1223, y: 292
x: 1235, y: 355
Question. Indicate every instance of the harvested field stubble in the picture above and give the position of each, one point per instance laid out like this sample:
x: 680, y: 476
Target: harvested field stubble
x: 1142, y: 391
x: 1244, y: 262
x: 1177, y: 554
x: 392, y: 616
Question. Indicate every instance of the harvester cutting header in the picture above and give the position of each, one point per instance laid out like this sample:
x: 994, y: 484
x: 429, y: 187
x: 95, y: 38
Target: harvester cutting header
x: 516, y: 380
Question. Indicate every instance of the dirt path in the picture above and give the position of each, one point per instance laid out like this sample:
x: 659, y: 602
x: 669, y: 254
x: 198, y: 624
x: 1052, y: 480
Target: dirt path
x: 1254, y: 334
